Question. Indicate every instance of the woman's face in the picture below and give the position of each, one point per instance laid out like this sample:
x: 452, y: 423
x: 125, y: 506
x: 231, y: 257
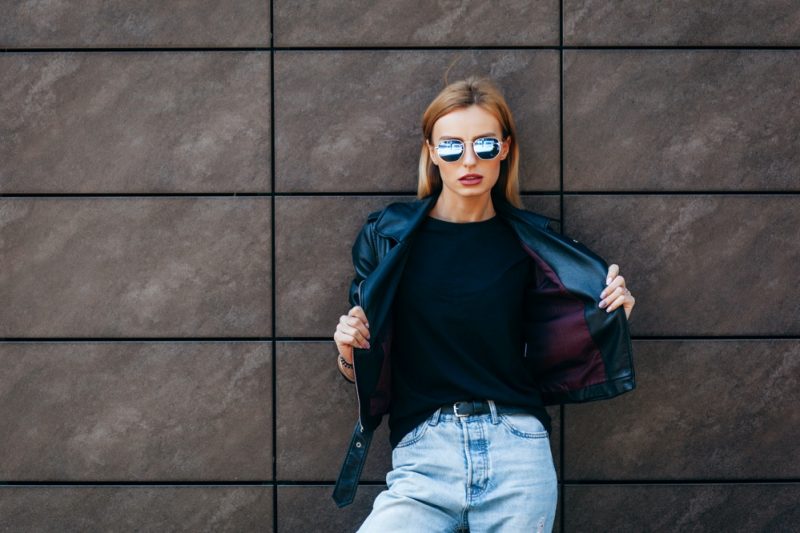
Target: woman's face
x: 467, y: 124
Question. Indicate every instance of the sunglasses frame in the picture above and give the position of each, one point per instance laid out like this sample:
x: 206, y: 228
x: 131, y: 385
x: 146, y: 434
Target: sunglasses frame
x: 464, y: 148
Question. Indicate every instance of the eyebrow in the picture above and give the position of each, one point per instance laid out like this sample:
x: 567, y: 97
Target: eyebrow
x: 487, y: 134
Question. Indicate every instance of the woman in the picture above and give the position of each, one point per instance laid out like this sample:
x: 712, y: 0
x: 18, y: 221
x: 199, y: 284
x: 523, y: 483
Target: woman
x: 488, y: 316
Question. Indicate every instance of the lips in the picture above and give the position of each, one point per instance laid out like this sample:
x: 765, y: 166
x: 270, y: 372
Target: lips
x: 470, y: 177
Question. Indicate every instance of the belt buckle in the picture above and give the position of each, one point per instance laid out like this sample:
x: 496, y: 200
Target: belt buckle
x: 455, y: 410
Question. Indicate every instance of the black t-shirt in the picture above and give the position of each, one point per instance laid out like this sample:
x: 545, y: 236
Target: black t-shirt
x: 458, y: 322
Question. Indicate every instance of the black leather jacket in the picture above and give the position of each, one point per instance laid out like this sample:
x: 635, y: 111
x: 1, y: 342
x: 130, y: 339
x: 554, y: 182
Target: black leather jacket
x: 580, y: 352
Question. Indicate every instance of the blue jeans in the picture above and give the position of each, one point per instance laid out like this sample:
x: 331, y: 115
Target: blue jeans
x: 477, y: 473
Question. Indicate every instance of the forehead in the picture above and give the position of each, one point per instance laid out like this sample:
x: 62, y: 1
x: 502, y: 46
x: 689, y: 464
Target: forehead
x: 466, y: 123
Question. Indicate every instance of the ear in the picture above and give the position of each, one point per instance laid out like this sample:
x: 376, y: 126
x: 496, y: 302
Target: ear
x: 506, y: 147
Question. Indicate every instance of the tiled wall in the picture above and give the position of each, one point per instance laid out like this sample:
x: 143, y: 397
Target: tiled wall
x: 181, y: 182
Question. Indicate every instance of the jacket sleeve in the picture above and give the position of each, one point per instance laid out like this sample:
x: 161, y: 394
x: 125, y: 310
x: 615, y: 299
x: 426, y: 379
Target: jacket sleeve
x: 365, y: 257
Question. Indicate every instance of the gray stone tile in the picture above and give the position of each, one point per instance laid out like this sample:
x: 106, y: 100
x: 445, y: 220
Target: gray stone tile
x: 314, y: 237
x: 710, y: 409
x: 135, y: 267
x: 414, y: 23
x: 143, y: 411
x: 316, y: 412
x: 117, y: 23
x: 349, y: 121
x: 699, y: 264
x: 311, y: 508
x: 660, y: 120
x: 687, y: 507
x: 633, y: 22
x: 107, y: 122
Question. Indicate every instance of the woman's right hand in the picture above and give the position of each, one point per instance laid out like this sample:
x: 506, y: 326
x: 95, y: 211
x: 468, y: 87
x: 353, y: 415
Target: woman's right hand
x: 352, y: 330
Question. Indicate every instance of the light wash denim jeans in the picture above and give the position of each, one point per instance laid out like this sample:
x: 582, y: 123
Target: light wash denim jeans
x: 479, y: 473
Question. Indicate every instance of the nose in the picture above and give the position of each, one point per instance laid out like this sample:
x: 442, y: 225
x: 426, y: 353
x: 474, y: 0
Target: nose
x: 470, y: 159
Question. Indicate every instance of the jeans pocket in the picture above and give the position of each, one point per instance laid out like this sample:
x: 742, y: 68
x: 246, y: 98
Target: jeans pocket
x: 415, y: 434
x: 524, y: 425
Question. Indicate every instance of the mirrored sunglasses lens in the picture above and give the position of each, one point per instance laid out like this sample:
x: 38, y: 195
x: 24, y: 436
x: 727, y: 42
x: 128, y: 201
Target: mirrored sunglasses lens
x: 487, y: 148
x: 450, y: 150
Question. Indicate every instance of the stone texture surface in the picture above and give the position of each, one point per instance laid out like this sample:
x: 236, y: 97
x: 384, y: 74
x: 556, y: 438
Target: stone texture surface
x: 134, y: 122
x: 311, y: 508
x: 126, y: 23
x: 676, y: 22
x: 135, y: 267
x: 679, y: 164
x: 686, y: 507
x: 413, y: 23
x: 310, y: 387
x: 661, y: 120
x: 704, y: 409
x: 313, y: 263
x: 135, y: 411
x: 136, y: 508
x: 316, y: 413
x: 699, y: 264
x: 349, y: 121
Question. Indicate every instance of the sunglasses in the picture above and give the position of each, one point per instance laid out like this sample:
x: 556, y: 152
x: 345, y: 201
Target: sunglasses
x: 451, y: 150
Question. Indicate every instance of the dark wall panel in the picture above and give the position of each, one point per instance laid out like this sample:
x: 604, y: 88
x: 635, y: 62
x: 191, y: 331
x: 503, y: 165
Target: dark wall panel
x: 700, y: 120
x: 350, y: 120
x: 686, y: 507
x: 676, y: 22
x: 414, y: 23
x: 702, y: 264
x: 135, y: 267
x: 131, y: 122
x: 135, y: 411
x: 705, y: 409
x: 123, y: 23
x: 314, y: 264
x: 138, y: 508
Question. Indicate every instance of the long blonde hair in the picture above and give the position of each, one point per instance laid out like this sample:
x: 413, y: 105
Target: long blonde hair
x: 457, y: 95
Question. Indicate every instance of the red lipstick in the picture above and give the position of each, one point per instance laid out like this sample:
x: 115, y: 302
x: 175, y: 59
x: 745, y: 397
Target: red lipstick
x: 470, y: 179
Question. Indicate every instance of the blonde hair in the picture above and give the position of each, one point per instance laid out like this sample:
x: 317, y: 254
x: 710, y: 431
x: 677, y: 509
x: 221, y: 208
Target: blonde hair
x: 458, y: 95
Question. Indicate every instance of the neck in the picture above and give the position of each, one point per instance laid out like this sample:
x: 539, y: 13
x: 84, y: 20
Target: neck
x: 455, y: 208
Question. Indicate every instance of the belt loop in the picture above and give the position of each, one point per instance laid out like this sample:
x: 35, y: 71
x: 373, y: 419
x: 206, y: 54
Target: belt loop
x: 493, y: 410
x: 435, y: 417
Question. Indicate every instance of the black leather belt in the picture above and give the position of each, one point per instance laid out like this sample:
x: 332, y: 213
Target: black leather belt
x: 479, y: 407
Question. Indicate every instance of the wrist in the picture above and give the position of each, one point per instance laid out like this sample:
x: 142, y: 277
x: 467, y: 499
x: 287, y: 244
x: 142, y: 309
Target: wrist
x: 346, y: 369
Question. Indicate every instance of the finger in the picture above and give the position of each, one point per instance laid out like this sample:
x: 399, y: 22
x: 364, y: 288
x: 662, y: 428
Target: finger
x: 613, y: 270
x: 354, y: 332
x: 356, y: 322
x: 616, y: 303
x: 619, y: 281
x: 343, y: 344
x: 359, y: 312
x: 611, y: 295
x: 345, y: 338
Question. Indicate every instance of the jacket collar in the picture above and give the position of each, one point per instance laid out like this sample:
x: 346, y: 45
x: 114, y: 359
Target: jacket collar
x: 400, y: 219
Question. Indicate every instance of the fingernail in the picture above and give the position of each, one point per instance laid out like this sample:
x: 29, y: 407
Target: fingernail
x: 608, y: 280
x: 367, y: 345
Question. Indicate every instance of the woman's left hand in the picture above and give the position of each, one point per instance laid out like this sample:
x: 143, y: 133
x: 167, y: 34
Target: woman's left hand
x: 616, y: 293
